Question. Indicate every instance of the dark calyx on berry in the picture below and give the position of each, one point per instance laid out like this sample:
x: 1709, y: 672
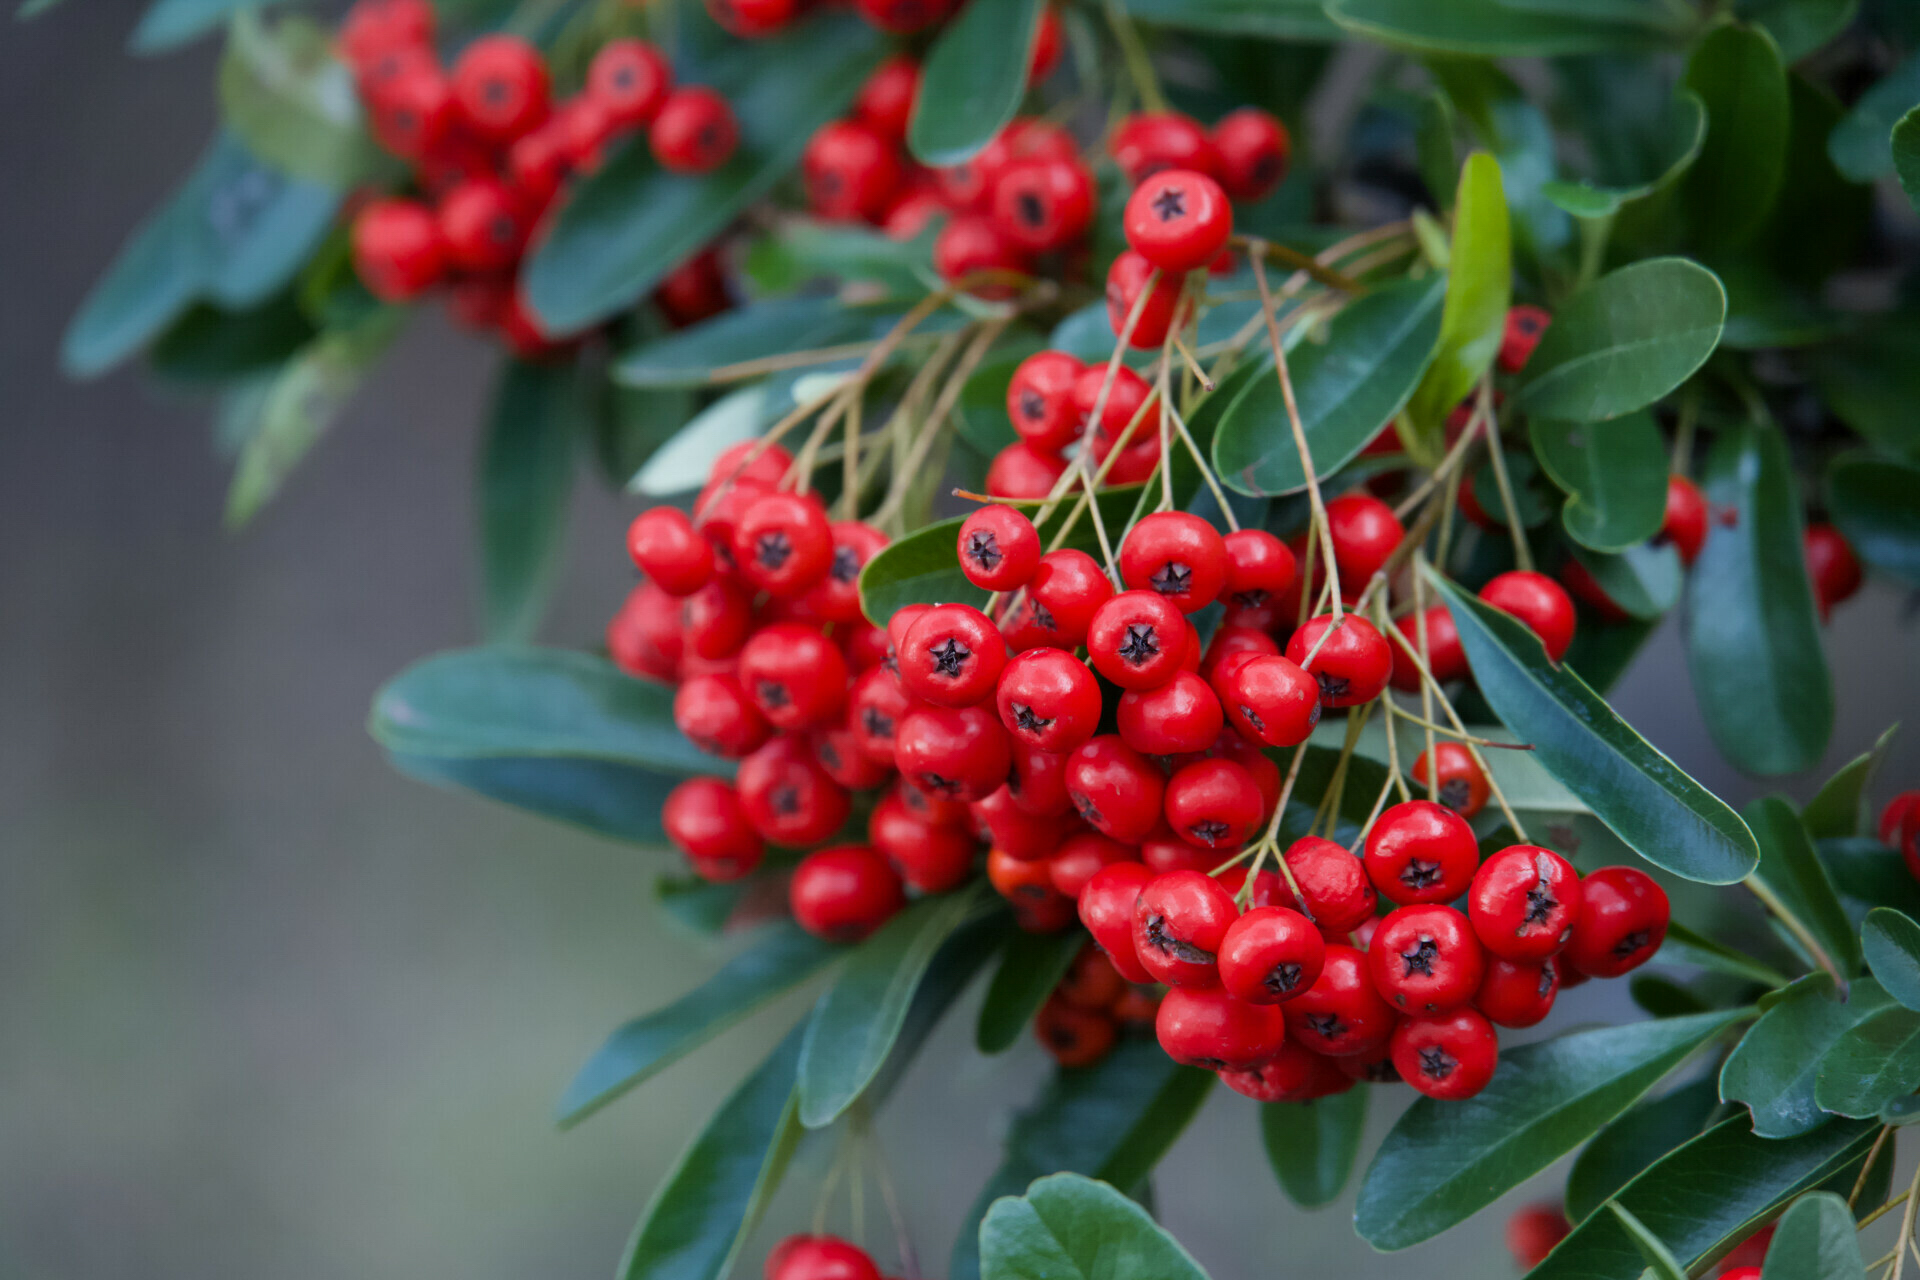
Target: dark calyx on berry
x: 1178, y: 948
x: 1141, y: 644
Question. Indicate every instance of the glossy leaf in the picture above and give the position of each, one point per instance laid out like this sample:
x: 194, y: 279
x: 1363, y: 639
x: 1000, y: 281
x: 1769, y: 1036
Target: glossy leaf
x: 972, y: 80
x: 607, y: 798
x: 526, y: 475
x: 709, y: 1201
x: 1626, y: 1146
x: 1860, y: 143
x: 781, y: 957
x: 1624, y: 341
x: 1774, y: 1068
x: 1661, y: 1264
x: 1684, y: 946
x: 1890, y: 943
x: 1842, y: 807
x: 1030, y: 968
x: 1906, y: 155
x: 854, y: 1025
x: 1479, y: 287
x: 1661, y: 813
x: 1346, y: 387
x: 294, y: 106
x: 1615, y: 476
x: 1816, y: 1239
x: 1072, y: 1228
x: 1644, y: 581
x: 1875, y: 1062
x: 770, y: 327
x: 1753, y: 640
x: 696, y: 904
x: 1875, y: 502
x: 1870, y: 875
x: 1266, y: 19
x: 1444, y: 1162
x: 1490, y: 28
x: 1663, y: 997
x: 797, y: 252
x: 1312, y: 1145
x: 1793, y: 871
x: 168, y: 24
x: 1731, y: 187
x: 630, y: 223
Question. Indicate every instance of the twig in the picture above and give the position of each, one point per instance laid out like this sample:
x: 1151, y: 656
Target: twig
x: 1300, y: 262
x: 1206, y: 473
x: 1431, y: 727
x: 1860, y: 1183
x: 1771, y: 900
x: 1522, y: 553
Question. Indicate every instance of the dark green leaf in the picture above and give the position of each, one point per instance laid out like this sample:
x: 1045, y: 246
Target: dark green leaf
x: 799, y: 251
x: 1312, y: 1145
x: 1876, y: 1061
x: 630, y: 425
x: 1479, y: 286
x: 1072, y: 1228
x: 1535, y: 500
x: 781, y: 957
x: 960, y: 958
x: 608, y: 798
x: 1435, y: 149
x: 1626, y: 1146
x: 1842, y: 808
x: 1876, y: 504
x: 1890, y: 942
x: 1752, y: 641
x: 1444, y: 1162
x: 980, y: 414
x: 1663, y: 997
x: 1816, y: 1239
x: 208, y: 345
x: 1375, y: 352
x: 1731, y: 187
x: 1491, y: 28
x: 854, y: 1026
x: 1615, y: 475
x: 1520, y: 136
x: 1791, y: 869
x: 682, y: 463
x: 1644, y: 581
x: 1661, y: 1264
x: 1647, y: 800
x: 1673, y: 141
x: 972, y: 80
x: 1870, y: 874
x: 772, y: 327
x: 1267, y: 19
x: 169, y: 24
x: 1901, y: 1112
x: 1799, y: 26
x: 700, y: 905
x: 1625, y: 341
x: 1821, y: 221
x: 627, y: 225
x: 1859, y: 145
x: 1030, y: 968
x: 1774, y: 1068
x: 1872, y: 380
x: 525, y: 477
x: 284, y: 95
x: 1906, y: 155
x: 1684, y: 946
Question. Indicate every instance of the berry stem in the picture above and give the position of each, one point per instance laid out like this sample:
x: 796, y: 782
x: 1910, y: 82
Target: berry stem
x: 1467, y: 440
x: 1794, y: 925
x: 1298, y: 261
x: 1906, y: 1227
x: 1873, y: 1153
x: 916, y: 456
x: 1393, y: 737
x: 1431, y: 727
x: 1426, y: 689
x: 1133, y: 51
x: 1522, y: 553
x: 1206, y: 473
x: 1329, y: 807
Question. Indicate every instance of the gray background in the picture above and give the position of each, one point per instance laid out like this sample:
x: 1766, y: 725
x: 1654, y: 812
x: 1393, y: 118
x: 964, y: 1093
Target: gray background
x: 267, y: 1008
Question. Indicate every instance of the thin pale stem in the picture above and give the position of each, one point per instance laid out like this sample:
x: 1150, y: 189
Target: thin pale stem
x: 1794, y: 925
x: 1906, y: 1226
x: 1431, y: 727
x: 760, y: 366
x: 916, y: 456
x: 1299, y: 262
x: 1393, y: 737
x: 1133, y: 52
x: 1206, y: 474
x: 1522, y: 553
x: 1445, y: 468
x: 1873, y: 1153
x: 1426, y: 690
x: 1192, y: 362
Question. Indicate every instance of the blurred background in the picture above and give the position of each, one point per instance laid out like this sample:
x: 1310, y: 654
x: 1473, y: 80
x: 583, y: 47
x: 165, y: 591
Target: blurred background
x: 267, y: 1007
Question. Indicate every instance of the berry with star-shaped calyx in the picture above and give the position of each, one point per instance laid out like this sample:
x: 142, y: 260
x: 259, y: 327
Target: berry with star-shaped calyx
x: 1353, y: 664
x: 1213, y: 804
x: 954, y: 753
x: 1178, y: 219
x: 1114, y: 788
x: 1459, y: 782
x: 1524, y: 902
x: 1420, y: 852
x: 1040, y: 400
x: 1514, y: 993
x: 1450, y: 1055
x: 1066, y: 592
x: 782, y: 545
x: 1341, y: 1015
x: 999, y: 549
x: 1273, y: 700
x: 1426, y: 959
x: 795, y: 676
x: 1106, y: 907
x: 1176, y: 555
x: 1138, y: 639
x: 1048, y: 699
x: 787, y: 796
x: 952, y: 656
x: 1270, y: 955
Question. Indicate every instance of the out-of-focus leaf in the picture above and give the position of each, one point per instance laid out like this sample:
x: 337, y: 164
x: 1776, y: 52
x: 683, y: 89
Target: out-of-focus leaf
x: 1793, y: 871
x: 293, y: 105
x: 1684, y: 946
x: 1872, y: 380
x: 1644, y: 581
x: 1798, y: 26
x: 683, y: 462
x: 1661, y: 1264
x: 1816, y: 1239
x: 1479, y: 285
x: 1503, y: 29
x: 605, y: 797
x: 1876, y: 504
x: 772, y: 327
x: 801, y: 250
x: 1030, y: 968
x: 1615, y: 476
x: 1890, y: 941
x: 1266, y: 19
x: 210, y: 346
x: 1676, y: 138
x: 972, y: 80
x: 525, y: 477
x: 1312, y: 1145
x: 1870, y: 875
x: 1072, y: 1228
x: 1841, y: 808
x: 1820, y: 221
x: 168, y: 24
x: 1731, y: 187
x: 1861, y: 145
x: 1906, y: 154
x: 1626, y: 1146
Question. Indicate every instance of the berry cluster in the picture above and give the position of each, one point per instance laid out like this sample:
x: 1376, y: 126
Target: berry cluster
x: 1084, y: 1014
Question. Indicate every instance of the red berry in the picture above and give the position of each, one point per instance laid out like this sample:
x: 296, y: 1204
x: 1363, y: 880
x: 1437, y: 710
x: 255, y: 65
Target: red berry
x: 500, y: 87
x: 1126, y: 401
x: 1066, y: 592
x: 1526, y: 325
x: 1106, y: 907
x: 1126, y: 279
x: 1445, y: 658
x: 1832, y: 568
x: 952, y: 656
x: 795, y: 675
x: 1259, y: 569
x: 1040, y: 400
x: 1015, y: 832
x: 372, y: 27
x: 1269, y: 955
x: 788, y: 797
x: 1178, y: 219
x: 1426, y: 959
x: 957, y: 753
x: 1091, y: 981
x: 1270, y: 698
x: 1622, y: 922
x: 1074, y: 1036
x: 1685, y: 525
x: 1022, y: 471
x: 1138, y: 640
x: 1365, y: 533
x: 482, y: 225
x: 1179, y: 717
x: 645, y: 637
x: 1027, y: 886
x: 1459, y: 782
x: 752, y: 19
x: 1341, y: 1015
x: 716, y: 619
x: 845, y: 893
x: 1292, y: 1075
x: 819, y: 1258
x: 666, y: 547
x: 902, y: 17
x: 1351, y: 667
x: 836, y: 597
x: 751, y: 460
x: 1517, y: 994
x: 931, y: 857
x: 717, y: 716
x: 706, y: 821
x: 1038, y: 781
x: 1894, y: 818
x: 1232, y: 646
x: 999, y: 549
x: 972, y: 244
x: 1044, y: 204
x: 1210, y: 1029
x: 851, y: 171
x: 1179, y: 556
x: 1538, y: 601
x: 1419, y: 852
x: 930, y: 807
x: 1449, y: 1055
x: 886, y: 100
x: 782, y: 545
x: 1533, y: 1231
x: 1213, y: 803
x: 1047, y: 44
x: 631, y: 79
x: 1180, y: 920
x: 397, y: 250
x: 1338, y: 896
x: 1048, y: 699
x: 695, y: 290
x: 694, y: 131
x: 1152, y: 141
x: 1253, y: 147
x: 1114, y: 788
x: 839, y: 753
x: 1524, y: 902
x: 1080, y: 857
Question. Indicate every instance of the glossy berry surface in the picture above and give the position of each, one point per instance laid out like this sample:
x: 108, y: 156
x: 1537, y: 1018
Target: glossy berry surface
x: 1685, y: 523
x: 1445, y: 660
x: 1515, y: 993
x: 631, y: 79
x: 1419, y: 852
x: 1270, y: 955
x: 1180, y: 920
x: 1114, y: 788
x: 794, y: 674
x: 1106, y: 907
x: 1149, y: 142
x: 788, y: 797
x: 1209, y: 1028
x: 1449, y: 1056
x: 1533, y: 1231
x: 1044, y: 204
x: 1353, y: 664
x: 1341, y: 1015
x: 1525, y: 326
x: 999, y: 549
x: 952, y: 656
x: 669, y: 550
x: 1179, y: 717
x: 843, y: 894
x: 704, y: 819
x: 718, y: 716
x: 1538, y: 601
x: 1459, y: 783
x: 1365, y: 532
x: 1040, y: 400
x: 1138, y: 639
x: 1178, y: 556
x: 954, y: 753
x: 1524, y: 902
x: 1260, y: 569
x: 1253, y: 148
x: 1273, y: 700
x: 1130, y: 277
x: 1178, y: 219
x: 1048, y: 699
x: 1622, y: 922
x: 1337, y: 894
x: 1832, y: 567
x: 1426, y: 959
x: 1066, y: 592
x: 1213, y: 804
x: 694, y: 131
x: 500, y: 87
x: 851, y: 171
x: 782, y: 545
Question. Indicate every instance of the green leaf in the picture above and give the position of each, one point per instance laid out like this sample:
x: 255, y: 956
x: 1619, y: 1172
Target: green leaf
x: 630, y: 425
x: 854, y: 1025
x: 1684, y: 946
x: 1799, y: 26
x: 1663, y: 997
x: 529, y: 702
x: 1861, y: 143
x: 1774, y: 1068
x: 1906, y: 155
x: 1374, y: 355
x: 1791, y: 869
x: 1659, y: 811
x: 1872, y: 380
x: 208, y: 346
x: 1502, y: 29
x: 1875, y: 1062
x: 1753, y: 641
x: 1842, y: 807
x: 1661, y: 1264
x: 1901, y: 1112
x: 1265, y: 19
x: 972, y: 80
x: 696, y: 904
x: 1030, y: 968
x: 1479, y: 287
x: 1644, y: 581
x: 1816, y: 1239
x: 682, y: 463
x: 294, y: 106
x: 799, y: 251
x: 1625, y: 341
x: 1072, y: 1228
x: 771, y: 327
x: 1615, y: 476
x: 1626, y: 1146
x: 1672, y: 141
x: 1731, y: 187
x: 782, y: 956
x: 1876, y: 504
x: 1520, y: 136
x: 709, y: 1201
x: 604, y: 797
x: 1312, y: 1145
x: 1112, y: 1121
x: 1871, y: 875
x: 1890, y: 942
x: 630, y: 223
x: 169, y: 24
x: 1444, y: 1162
x: 525, y: 477
x: 1707, y: 1196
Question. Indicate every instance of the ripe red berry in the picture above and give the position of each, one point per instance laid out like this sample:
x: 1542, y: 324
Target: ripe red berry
x: 787, y: 796
x: 1292, y: 1075
x: 482, y: 225
x: 1179, y: 717
x: 1080, y: 857
x: 819, y: 1258
x: 838, y: 751
x: 1622, y: 922
x: 952, y: 656
x: 1027, y: 886
x: 886, y: 100
x: 1685, y: 524
x: 1419, y: 852
x: 1074, y: 1036
x: 1514, y: 993
x: 1022, y: 471
x: 1426, y: 959
x: 1149, y: 142
x: 500, y: 87
x: 1048, y: 699
x: 1178, y: 219
x: 1832, y: 567
x: 851, y: 171
x: 1270, y: 955
x: 1048, y: 40
x: 1338, y: 896
x: 751, y: 460
x: 1229, y: 649
x: 372, y: 27
x: 695, y: 290
x: 413, y: 109
x: 1351, y: 667
x: 932, y: 857
x: 1271, y: 699
x: 1526, y: 325
x: 1524, y: 902
x: 1260, y: 569
x: 1037, y: 781
x: 397, y: 251
x: 1044, y: 204
x: 1214, y: 804
x: 902, y: 17
x: 1209, y: 1028
x: 1127, y: 398
x: 1534, y: 1230
x: 1127, y: 278
x: 645, y: 637
x: 717, y: 716
x: 666, y: 547
x: 1177, y: 555
x: 1114, y: 788
x: 1066, y: 592
x: 956, y: 753
x: 1365, y: 533
x: 1091, y: 981
x: 1445, y: 658
x: 1040, y: 400
x: 782, y: 545
x: 752, y: 19
x: 694, y: 131
x: 845, y: 893
x: 1015, y: 832
x: 1253, y: 148
x: 929, y: 806
x: 631, y: 79
x: 1449, y: 1056
x: 1895, y: 817
x: 795, y: 675
x: 1459, y: 782
x: 1180, y: 920
x: 1106, y: 908
x: 999, y: 549
x: 1538, y: 601
x: 972, y: 244
x: 1341, y: 1015
x: 836, y: 597
x: 706, y: 821
x: 1138, y: 639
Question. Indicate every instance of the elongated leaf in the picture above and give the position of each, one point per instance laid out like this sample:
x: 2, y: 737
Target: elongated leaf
x: 1072, y: 1228
x: 782, y: 957
x: 1901, y: 1112
x: 1753, y: 643
x: 709, y: 1201
x: 1661, y: 1264
x: 1625, y: 341
x: 771, y: 327
x: 293, y: 105
x: 1374, y: 355
x: 1776, y: 1065
x: 1871, y: 380
x: 1644, y: 581
x: 857, y: 1020
x: 168, y: 24
x: 698, y: 905
x: 1479, y: 286
x: 1816, y: 1239
x: 1626, y: 1146
x: 1875, y: 1062
x: 211, y: 347
x: 1876, y: 504
x: 1799, y: 26
x: 1444, y: 1162
x: 1268, y: 19
x: 1796, y: 876
x: 1869, y: 875
x: 1659, y: 811
x: 1842, y: 807
x: 1663, y: 997
x: 1490, y: 28
x: 630, y: 223
x: 1312, y: 1145
x: 1890, y: 941
x: 1673, y: 141
x: 1684, y: 946
x: 1906, y: 155
x: 1732, y: 185
x: 1030, y: 968
x: 1615, y: 475
x: 1859, y: 143
x: 1506, y: 122
x: 972, y: 80
x: 609, y: 799
x: 526, y: 475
